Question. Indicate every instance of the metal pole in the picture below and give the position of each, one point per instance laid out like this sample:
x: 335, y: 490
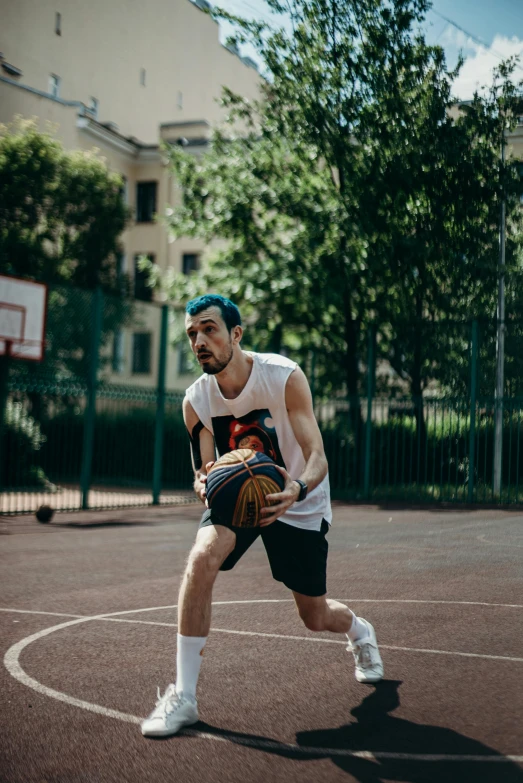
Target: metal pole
x: 500, y: 346
x: 4, y: 395
x: 313, y: 376
x: 160, y: 407
x: 371, y: 367
x: 92, y: 383
x: 473, y: 398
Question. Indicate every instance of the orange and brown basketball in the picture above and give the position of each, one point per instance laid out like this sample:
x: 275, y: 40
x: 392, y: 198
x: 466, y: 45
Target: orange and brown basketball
x: 237, y: 485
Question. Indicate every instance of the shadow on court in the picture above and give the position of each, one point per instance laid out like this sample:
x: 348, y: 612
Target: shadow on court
x: 105, y: 524
x: 376, y: 731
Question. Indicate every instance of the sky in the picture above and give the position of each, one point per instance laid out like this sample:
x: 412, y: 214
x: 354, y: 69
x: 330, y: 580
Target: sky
x: 490, y: 31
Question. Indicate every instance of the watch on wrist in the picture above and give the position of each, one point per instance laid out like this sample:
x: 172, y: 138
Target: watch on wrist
x: 303, y: 490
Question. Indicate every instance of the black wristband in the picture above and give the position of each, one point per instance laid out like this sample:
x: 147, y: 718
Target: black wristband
x: 303, y: 490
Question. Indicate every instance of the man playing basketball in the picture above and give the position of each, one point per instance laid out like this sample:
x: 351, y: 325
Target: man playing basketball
x: 241, y: 389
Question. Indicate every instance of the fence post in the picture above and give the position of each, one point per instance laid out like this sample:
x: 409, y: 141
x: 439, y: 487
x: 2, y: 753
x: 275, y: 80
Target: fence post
x: 92, y: 384
x: 371, y: 369
x: 313, y: 376
x: 473, y: 397
x: 4, y: 395
x: 160, y: 407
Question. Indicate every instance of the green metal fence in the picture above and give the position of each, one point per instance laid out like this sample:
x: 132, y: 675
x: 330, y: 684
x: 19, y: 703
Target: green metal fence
x: 450, y: 460
x: 78, y: 431
x: 430, y: 448
x: 73, y: 439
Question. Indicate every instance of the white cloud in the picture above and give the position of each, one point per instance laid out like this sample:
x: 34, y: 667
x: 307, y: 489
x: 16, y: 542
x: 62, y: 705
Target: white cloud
x: 480, y: 60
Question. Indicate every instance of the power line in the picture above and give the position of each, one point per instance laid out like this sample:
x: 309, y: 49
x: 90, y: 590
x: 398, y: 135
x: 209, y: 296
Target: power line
x: 474, y: 37
x: 244, y: 4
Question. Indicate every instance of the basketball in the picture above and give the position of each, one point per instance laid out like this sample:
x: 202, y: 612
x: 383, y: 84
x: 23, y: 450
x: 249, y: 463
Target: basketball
x: 44, y: 513
x: 237, y: 485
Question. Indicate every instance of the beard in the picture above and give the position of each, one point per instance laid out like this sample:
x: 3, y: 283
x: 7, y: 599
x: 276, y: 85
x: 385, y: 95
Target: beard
x: 216, y: 364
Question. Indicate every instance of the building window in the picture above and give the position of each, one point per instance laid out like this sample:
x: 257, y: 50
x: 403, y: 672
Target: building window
x: 120, y: 264
x: 124, y: 189
x: 58, y: 24
x: 11, y: 70
x: 118, y: 351
x: 93, y: 107
x: 142, y: 291
x: 54, y: 85
x: 142, y: 76
x: 121, y: 276
x: 145, y: 201
x: 190, y: 263
x: 142, y: 343
x: 179, y: 101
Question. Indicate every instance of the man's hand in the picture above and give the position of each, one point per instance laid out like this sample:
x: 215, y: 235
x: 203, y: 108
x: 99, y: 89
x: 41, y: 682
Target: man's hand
x: 200, y: 484
x: 283, y: 500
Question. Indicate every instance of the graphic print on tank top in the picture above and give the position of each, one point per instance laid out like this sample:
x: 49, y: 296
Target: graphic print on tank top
x: 255, y: 431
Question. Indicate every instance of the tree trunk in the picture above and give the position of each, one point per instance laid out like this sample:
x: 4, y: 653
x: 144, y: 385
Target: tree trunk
x: 417, y: 390
x: 352, y: 377
x: 275, y: 340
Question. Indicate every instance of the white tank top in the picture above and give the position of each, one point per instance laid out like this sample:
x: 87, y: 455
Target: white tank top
x: 258, y: 419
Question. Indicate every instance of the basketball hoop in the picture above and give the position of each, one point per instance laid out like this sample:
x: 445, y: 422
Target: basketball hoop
x: 23, y: 310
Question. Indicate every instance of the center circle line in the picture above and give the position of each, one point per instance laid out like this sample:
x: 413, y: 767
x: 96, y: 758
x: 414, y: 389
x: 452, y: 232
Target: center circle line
x: 12, y: 664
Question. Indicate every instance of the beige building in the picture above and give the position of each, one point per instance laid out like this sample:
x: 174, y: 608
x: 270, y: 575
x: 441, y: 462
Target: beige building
x: 120, y: 76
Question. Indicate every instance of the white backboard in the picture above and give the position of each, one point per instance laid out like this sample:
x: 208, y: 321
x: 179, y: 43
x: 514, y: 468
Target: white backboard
x: 23, y: 310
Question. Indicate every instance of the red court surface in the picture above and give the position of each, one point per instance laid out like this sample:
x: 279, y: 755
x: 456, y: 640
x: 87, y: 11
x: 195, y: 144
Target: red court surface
x: 88, y: 623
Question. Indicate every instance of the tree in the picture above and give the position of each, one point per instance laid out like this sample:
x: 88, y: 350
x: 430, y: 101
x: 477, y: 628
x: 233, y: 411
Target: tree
x: 61, y: 217
x: 279, y: 233
x: 61, y: 213
x: 343, y: 89
x: 352, y: 195
x: 447, y: 244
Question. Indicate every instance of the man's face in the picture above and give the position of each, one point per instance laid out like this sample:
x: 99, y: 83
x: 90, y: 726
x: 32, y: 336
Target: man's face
x: 211, y: 341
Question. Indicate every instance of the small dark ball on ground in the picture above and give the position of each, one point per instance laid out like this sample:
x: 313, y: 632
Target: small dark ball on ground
x: 44, y: 514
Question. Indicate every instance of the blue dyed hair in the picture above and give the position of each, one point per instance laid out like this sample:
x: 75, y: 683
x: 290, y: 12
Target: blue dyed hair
x: 230, y: 313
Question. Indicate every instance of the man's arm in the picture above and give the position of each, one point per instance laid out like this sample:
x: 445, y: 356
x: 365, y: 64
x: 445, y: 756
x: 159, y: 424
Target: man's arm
x: 298, y: 400
x: 202, y: 448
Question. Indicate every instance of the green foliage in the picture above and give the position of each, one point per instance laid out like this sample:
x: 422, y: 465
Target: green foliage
x: 123, y: 449
x: 69, y: 333
x: 448, y: 252
x: 61, y: 217
x: 437, y: 469
x: 61, y: 213
x: 350, y: 194
x: 22, y: 442
x: 29, y: 177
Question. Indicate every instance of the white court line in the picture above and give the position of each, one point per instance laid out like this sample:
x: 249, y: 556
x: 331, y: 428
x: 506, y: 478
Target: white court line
x: 33, y: 611
x: 344, y: 600
x: 484, y: 540
x: 317, y: 639
x: 12, y: 663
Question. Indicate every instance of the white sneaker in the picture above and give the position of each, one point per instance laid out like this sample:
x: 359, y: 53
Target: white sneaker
x: 173, y: 711
x: 369, y: 666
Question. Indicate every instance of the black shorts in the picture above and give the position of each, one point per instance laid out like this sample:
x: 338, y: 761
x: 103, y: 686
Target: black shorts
x: 297, y: 557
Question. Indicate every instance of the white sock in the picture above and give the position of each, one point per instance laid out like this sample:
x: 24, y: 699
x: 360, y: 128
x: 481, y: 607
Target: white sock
x: 358, y: 628
x: 189, y: 653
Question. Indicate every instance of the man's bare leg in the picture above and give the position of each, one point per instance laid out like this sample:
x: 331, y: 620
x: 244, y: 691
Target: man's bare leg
x: 210, y: 549
x: 177, y: 707
x: 213, y: 544
x: 323, y: 614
